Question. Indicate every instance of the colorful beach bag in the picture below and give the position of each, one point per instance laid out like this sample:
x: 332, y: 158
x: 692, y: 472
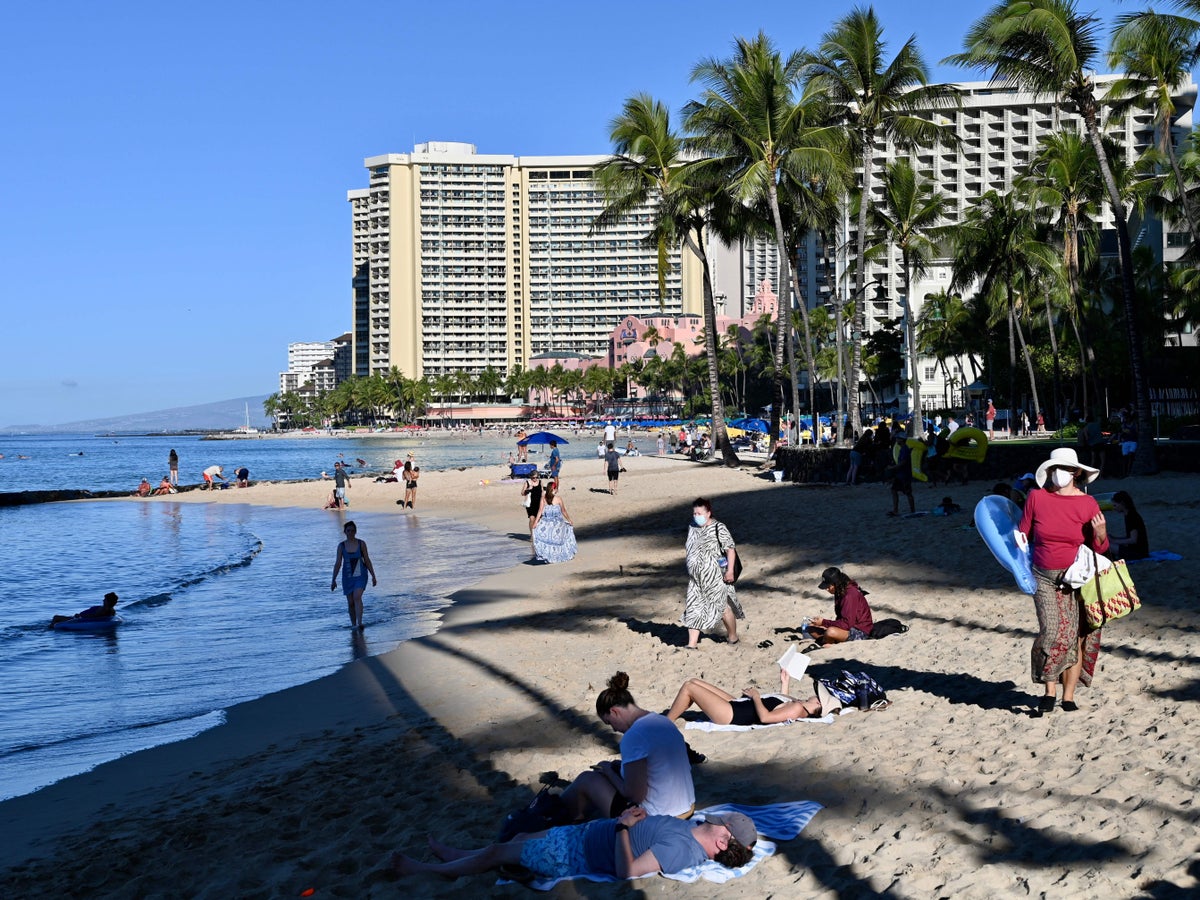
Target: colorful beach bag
x: 1109, y: 595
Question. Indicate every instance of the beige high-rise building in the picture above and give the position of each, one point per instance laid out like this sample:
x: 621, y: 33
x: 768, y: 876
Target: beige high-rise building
x: 465, y: 260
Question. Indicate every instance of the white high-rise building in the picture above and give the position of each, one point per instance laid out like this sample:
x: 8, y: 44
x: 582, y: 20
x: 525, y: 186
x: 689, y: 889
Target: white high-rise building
x: 998, y: 131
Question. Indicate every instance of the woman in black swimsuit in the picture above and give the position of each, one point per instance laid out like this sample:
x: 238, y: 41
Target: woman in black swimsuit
x: 751, y: 708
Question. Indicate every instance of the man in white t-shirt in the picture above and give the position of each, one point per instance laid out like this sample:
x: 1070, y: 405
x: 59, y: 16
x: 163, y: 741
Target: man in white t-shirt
x: 610, y: 432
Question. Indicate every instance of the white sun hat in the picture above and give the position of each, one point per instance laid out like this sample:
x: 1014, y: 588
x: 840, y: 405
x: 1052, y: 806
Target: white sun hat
x: 1064, y: 458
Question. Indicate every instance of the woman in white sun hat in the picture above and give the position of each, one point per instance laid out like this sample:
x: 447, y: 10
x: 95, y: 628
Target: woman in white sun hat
x: 1058, y: 520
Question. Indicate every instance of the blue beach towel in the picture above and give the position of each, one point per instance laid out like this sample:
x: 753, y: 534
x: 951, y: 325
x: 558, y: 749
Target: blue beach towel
x: 1157, y: 556
x: 781, y: 821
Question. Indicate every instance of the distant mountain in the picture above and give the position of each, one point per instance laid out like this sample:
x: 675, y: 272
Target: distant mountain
x: 223, y: 415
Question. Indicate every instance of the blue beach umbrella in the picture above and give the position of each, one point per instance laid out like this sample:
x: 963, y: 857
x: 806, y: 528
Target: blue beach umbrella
x: 542, y: 437
x: 752, y: 424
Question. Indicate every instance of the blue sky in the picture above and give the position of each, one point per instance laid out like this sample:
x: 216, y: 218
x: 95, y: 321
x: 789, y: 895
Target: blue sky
x: 173, y: 178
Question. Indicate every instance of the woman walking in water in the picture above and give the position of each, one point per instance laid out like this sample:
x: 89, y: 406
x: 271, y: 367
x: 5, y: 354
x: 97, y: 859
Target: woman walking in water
x: 355, y: 563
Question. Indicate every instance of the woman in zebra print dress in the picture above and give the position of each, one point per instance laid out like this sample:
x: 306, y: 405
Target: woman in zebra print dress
x: 711, y: 596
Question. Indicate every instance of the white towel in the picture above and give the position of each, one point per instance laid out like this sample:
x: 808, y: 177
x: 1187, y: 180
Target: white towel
x: 706, y: 725
x: 1085, y: 567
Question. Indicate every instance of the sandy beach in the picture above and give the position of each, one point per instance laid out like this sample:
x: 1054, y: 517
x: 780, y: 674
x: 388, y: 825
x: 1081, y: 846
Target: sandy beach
x: 951, y: 792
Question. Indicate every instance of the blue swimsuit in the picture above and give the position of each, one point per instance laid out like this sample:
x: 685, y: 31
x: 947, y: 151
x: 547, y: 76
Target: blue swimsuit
x: 354, y: 573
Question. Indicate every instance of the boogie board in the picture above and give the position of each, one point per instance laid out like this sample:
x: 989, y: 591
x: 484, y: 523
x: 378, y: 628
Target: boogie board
x: 997, y: 519
x: 88, y: 624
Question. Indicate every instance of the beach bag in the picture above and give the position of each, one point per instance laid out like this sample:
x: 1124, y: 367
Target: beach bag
x: 737, y: 557
x: 1109, y: 595
x: 856, y: 689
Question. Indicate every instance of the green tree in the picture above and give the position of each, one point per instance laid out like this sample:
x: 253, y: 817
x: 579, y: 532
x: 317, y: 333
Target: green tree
x: 647, y: 168
x: 1049, y: 48
x: 875, y: 99
x: 748, y: 119
x: 911, y: 218
x: 1157, y: 53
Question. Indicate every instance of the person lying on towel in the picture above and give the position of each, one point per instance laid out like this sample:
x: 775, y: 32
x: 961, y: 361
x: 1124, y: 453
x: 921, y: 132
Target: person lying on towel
x: 628, y: 847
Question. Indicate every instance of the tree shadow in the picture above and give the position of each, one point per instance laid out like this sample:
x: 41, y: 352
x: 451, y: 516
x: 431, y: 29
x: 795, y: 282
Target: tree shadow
x: 1165, y: 890
x: 955, y: 687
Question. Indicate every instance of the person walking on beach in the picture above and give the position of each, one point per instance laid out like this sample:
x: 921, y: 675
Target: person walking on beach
x: 555, y: 464
x: 341, y: 483
x: 355, y: 564
x: 612, y: 465
x: 711, y: 596
x: 553, y: 531
x: 1058, y: 521
x: 532, y: 492
x: 173, y: 466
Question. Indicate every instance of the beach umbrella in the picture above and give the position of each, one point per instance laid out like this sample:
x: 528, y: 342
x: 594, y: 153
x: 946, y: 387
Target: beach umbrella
x: 752, y: 424
x: 542, y: 437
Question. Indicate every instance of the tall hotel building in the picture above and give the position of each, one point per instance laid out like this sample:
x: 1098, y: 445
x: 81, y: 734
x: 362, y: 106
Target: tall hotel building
x: 463, y: 261
x: 998, y: 131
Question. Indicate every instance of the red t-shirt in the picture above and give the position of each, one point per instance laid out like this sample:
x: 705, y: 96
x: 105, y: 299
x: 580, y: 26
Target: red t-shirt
x: 1054, y: 525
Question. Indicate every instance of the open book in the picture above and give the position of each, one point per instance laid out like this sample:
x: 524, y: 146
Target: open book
x: 794, y: 662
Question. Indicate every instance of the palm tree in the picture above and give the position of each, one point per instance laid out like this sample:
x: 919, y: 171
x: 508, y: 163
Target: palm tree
x: 1063, y: 185
x: 995, y: 244
x: 647, y: 168
x: 875, y: 100
x: 489, y: 382
x: 1156, y: 52
x: 748, y: 120
x: 910, y: 219
x: 1049, y: 47
x: 941, y: 328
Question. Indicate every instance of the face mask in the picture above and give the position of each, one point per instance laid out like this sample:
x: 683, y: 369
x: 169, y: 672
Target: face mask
x: 699, y: 519
x: 1062, y: 477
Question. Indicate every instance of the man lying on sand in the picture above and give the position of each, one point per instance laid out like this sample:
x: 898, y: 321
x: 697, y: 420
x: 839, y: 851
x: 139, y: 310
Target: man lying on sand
x: 628, y: 847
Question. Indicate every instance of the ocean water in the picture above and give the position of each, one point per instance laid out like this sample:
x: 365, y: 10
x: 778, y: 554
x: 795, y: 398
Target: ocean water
x: 115, y: 463
x: 221, y: 604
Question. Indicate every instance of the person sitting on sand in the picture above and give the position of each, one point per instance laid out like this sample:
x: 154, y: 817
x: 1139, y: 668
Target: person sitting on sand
x: 93, y: 613
x: 948, y: 506
x: 1135, y: 542
x: 629, y: 846
x: 752, y: 708
x: 144, y: 489
x: 654, y: 772
x: 164, y: 487
x: 852, y: 620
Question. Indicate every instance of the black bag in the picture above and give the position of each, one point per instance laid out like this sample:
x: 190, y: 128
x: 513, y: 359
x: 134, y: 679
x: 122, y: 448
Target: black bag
x: 737, y: 557
x: 887, y: 627
x: 544, y: 811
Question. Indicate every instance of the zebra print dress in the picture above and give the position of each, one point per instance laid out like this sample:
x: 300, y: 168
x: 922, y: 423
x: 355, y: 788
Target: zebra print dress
x: 707, y: 592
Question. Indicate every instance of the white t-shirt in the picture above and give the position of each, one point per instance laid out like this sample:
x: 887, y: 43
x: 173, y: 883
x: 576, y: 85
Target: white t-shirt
x: 610, y: 433
x: 655, y: 739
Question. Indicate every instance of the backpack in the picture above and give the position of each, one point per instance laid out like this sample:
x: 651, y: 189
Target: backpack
x: 544, y: 811
x: 886, y: 628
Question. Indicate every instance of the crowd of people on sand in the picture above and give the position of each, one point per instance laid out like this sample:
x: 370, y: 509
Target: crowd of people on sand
x: 634, y: 816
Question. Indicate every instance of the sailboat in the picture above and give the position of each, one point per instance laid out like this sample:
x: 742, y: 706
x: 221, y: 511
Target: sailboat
x: 246, y: 429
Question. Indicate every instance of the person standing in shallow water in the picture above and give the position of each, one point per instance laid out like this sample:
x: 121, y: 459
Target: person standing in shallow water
x: 355, y: 564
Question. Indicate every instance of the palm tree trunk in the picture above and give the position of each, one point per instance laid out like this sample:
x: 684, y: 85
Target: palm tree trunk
x: 1181, y: 184
x: 860, y: 284
x: 1144, y: 462
x: 695, y: 241
x: 1054, y: 353
x: 783, y: 318
x: 808, y: 357
x: 1032, y: 382
x: 917, y: 427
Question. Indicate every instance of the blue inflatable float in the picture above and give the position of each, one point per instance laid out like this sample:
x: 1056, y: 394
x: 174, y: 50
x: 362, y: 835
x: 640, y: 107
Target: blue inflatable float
x: 997, y: 519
